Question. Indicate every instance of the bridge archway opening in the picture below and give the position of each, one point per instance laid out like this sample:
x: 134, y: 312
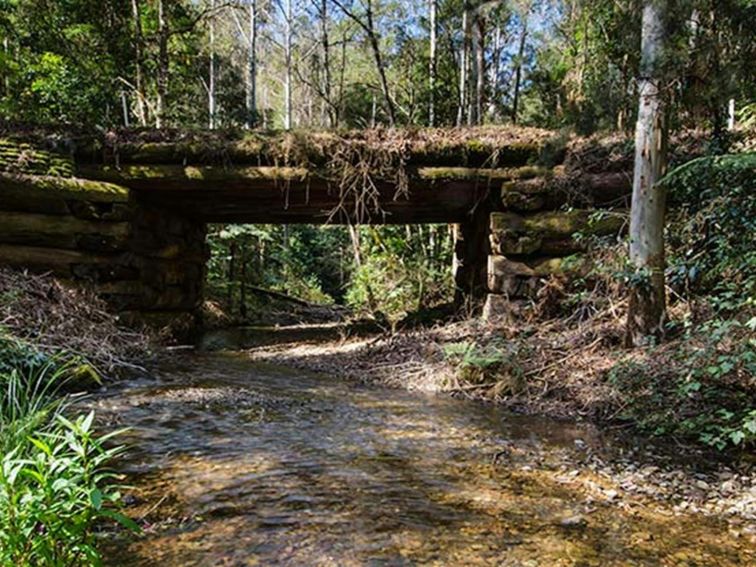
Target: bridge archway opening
x: 388, y: 271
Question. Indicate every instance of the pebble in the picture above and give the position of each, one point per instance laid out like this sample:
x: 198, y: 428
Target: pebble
x: 576, y: 521
x: 611, y: 494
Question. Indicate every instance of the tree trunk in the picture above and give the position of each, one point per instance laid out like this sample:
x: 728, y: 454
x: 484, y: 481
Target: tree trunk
x: 432, y: 65
x: 518, y: 70
x: 368, y: 26
x: 646, y: 312
x: 493, y: 77
x: 379, y: 64
x: 138, y: 49
x: 327, y: 88
x: 480, y: 68
x: 211, y: 72
x: 464, y: 65
x: 162, y: 78
x: 251, y: 91
x: 288, y: 61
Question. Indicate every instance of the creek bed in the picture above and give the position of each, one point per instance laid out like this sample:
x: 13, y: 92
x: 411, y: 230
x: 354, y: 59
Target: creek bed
x: 234, y: 462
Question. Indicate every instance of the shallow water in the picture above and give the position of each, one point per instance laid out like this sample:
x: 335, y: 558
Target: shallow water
x: 238, y: 463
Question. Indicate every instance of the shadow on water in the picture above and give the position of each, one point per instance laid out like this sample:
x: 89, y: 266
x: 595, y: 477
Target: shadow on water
x: 238, y: 463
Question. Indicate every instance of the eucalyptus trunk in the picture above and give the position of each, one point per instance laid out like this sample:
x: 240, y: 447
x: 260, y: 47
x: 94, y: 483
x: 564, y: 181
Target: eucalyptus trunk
x: 288, y: 63
x: 464, y: 64
x: 162, y: 75
x: 647, y: 308
x: 138, y: 54
x: 211, y: 73
x: 518, y: 68
x: 251, y: 91
x: 433, y: 8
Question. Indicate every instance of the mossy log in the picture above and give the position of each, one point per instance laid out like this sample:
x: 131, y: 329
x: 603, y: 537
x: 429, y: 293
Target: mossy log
x: 479, y: 173
x: 178, y: 177
x: 552, y: 233
x: 68, y: 264
x: 62, y: 232
x: 468, y: 147
x: 166, y: 176
x: 51, y: 194
x: 553, y: 191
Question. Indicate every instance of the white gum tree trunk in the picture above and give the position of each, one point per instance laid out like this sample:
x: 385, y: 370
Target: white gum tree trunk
x: 433, y: 8
x: 647, y: 307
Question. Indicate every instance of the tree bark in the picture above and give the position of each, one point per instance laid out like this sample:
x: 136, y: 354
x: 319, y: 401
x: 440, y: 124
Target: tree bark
x: 480, y: 67
x: 647, y: 309
x: 288, y: 63
x: 138, y: 50
x: 433, y: 8
x: 251, y: 94
x: 211, y: 72
x: 464, y: 65
x: 327, y: 90
x: 494, y: 70
x: 518, y: 69
x: 162, y: 77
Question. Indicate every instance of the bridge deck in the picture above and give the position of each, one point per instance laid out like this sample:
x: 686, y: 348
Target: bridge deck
x: 268, y: 194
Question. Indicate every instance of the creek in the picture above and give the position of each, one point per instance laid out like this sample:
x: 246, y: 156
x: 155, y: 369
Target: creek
x: 233, y: 462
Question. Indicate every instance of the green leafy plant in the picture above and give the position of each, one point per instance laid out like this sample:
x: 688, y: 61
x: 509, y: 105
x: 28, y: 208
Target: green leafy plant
x: 53, y: 490
x: 701, y: 392
x: 480, y: 364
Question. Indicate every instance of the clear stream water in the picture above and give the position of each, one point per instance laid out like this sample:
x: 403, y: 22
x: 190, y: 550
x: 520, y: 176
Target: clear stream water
x: 237, y: 463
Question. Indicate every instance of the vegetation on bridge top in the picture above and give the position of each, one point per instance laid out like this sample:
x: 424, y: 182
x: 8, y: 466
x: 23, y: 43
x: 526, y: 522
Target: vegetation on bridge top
x: 480, y: 146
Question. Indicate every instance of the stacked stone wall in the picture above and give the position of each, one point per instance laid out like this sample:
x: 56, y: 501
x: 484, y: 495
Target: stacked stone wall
x: 543, y: 228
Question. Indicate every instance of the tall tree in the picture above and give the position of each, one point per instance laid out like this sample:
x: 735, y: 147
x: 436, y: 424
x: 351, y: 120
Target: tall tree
x: 647, y: 311
x: 327, y: 88
x: 211, y: 101
x: 162, y: 70
x: 464, y: 63
x: 288, y: 62
x: 251, y: 86
x: 433, y: 9
x: 136, y: 13
x: 524, y: 17
x: 367, y: 23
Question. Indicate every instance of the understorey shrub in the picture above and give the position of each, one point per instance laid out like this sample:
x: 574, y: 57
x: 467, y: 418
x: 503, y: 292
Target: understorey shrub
x: 495, y: 362
x: 54, y: 482
x: 701, y: 387
x: 54, y: 488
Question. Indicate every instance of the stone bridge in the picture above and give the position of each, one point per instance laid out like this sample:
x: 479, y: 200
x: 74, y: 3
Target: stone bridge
x: 128, y: 213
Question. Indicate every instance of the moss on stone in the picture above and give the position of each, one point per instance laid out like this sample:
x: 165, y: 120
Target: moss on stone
x: 558, y: 224
x: 25, y: 158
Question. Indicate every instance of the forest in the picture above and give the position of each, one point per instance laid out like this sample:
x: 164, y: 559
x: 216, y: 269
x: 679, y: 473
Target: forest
x: 503, y: 310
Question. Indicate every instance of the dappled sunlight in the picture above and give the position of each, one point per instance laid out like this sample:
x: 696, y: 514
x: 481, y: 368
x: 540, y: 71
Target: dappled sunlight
x: 241, y: 463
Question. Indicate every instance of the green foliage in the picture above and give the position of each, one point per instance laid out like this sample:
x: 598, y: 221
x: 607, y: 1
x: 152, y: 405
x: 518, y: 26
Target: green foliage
x: 702, y: 391
x: 712, y: 232
x: 398, y: 269
x: 493, y: 361
x: 53, y: 489
x: 28, y: 399
x: 403, y: 269
x: 54, y: 486
x: 16, y: 354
